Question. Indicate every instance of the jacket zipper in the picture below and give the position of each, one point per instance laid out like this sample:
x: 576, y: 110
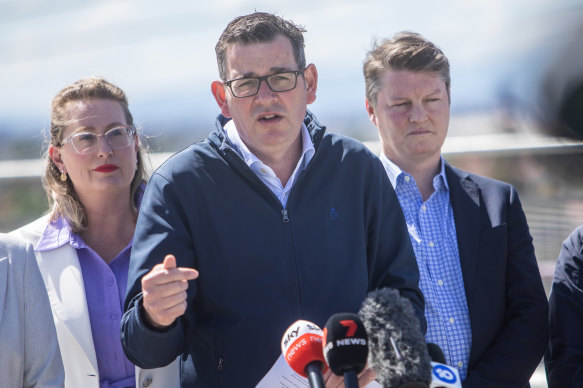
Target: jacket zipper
x: 226, y: 148
x: 235, y: 158
x: 284, y: 215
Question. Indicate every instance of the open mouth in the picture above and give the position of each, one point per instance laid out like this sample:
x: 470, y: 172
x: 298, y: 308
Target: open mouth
x: 268, y: 118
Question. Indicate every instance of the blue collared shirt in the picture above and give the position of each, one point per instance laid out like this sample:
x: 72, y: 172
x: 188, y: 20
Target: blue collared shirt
x: 263, y: 171
x: 433, y: 235
x: 105, y: 287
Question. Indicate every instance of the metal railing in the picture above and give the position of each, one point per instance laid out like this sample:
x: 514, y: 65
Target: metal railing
x: 492, y: 144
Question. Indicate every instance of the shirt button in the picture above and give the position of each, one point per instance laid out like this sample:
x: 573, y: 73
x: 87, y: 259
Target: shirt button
x: 110, y: 282
x: 263, y: 170
x: 460, y: 364
x: 114, y: 316
x: 423, y: 207
x: 147, y: 382
x: 440, y: 282
x: 451, y: 320
x: 431, y: 244
x: 407, y: 178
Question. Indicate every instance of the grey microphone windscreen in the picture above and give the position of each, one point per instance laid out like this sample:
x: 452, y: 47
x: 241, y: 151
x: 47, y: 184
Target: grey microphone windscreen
x: 397, y: 350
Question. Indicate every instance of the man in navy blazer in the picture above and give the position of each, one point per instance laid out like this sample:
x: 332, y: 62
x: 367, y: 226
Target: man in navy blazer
x: 485, y: 303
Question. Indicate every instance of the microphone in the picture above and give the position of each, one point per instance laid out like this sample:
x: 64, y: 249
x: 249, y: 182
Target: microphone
x: 346, y: 346
x: 442, y: 375
x: 398, y: 353
x: 436, y: 353
x: 301, y: 346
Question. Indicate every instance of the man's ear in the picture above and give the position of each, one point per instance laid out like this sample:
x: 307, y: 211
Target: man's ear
x: 55, y: 155
x: 218, y: 90
x: 311, y: 78
x: 371, y: 112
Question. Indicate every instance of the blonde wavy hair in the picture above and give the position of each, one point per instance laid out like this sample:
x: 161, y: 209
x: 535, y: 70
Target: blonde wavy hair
x: 63, y: 199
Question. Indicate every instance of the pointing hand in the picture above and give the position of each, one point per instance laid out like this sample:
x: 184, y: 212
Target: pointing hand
x: 164, y: 292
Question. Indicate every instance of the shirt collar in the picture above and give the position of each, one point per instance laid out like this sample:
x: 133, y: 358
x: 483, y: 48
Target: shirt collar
x: 249, y: 158
x: 394, y: 171
x: 56, y: 234
x: 307, y: 147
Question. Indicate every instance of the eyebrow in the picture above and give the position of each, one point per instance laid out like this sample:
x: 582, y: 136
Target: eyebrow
x: 398, y: 98
x: 93, y: 129
x: 436, y: 91
x: 272, y: 70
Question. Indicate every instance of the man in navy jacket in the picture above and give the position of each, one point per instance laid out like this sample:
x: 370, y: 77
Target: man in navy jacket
x: 267, y: 221
x: 564, y: 356
x: 485, y: 302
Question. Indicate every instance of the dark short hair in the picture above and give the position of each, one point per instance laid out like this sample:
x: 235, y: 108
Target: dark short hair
x: 404, y: 51
x: 259, y: 27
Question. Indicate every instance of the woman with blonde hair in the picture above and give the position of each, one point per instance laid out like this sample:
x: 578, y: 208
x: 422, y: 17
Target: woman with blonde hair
x: 94, y: 178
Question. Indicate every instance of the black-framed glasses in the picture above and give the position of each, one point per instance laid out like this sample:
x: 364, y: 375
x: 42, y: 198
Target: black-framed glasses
x: 278, y: 82
x: 116, y: 138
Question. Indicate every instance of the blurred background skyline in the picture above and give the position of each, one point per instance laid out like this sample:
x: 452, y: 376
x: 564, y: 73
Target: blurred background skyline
x: 162, y: 55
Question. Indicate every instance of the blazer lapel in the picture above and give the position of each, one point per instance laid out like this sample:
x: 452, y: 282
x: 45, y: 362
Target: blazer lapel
x: 64, y: 283
x: 465, y: 201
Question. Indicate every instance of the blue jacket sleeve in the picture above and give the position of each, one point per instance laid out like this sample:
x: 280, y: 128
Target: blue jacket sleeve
x: 564, y: 356
x: 162, y: 229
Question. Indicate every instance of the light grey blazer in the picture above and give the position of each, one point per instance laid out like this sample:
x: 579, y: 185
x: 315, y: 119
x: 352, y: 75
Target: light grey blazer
x: 61, y: 273
x: 29, y: 350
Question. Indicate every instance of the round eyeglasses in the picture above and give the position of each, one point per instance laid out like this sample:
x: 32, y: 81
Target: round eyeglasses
x: 116, y: 138
x: 278, y: 82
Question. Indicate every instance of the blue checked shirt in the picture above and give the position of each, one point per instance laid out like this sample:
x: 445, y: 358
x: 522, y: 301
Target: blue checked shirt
x: 433, y: 236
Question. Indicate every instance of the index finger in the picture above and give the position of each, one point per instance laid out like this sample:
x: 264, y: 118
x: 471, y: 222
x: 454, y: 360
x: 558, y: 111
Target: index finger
x: 162, y: 276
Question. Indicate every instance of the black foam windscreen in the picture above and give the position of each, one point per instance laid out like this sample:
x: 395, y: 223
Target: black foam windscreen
x: 436, y: 353
x: 345, y: 343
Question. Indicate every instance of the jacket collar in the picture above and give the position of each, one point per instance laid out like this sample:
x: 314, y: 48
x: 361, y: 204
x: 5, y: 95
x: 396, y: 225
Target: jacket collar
x: 218, y: 137
x: 63, y: 280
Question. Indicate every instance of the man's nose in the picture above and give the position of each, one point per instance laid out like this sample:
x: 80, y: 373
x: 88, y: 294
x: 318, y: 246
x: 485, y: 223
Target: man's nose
x: 417, y: 113
x: 265, y: 91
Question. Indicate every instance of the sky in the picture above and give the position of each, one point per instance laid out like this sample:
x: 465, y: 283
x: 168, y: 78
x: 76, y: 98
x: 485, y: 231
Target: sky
x: 162, y: 52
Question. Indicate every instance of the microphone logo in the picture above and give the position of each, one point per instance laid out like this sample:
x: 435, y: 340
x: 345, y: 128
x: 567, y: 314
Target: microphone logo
x: 444, y: 373
x: 293, y: 331
x: 345, y: 343
x: 351, y: 325
x: 301, y: 346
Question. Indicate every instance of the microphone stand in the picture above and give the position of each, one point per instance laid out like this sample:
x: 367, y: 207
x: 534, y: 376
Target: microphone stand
x: 350, y: 379
x: 314, y: 372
